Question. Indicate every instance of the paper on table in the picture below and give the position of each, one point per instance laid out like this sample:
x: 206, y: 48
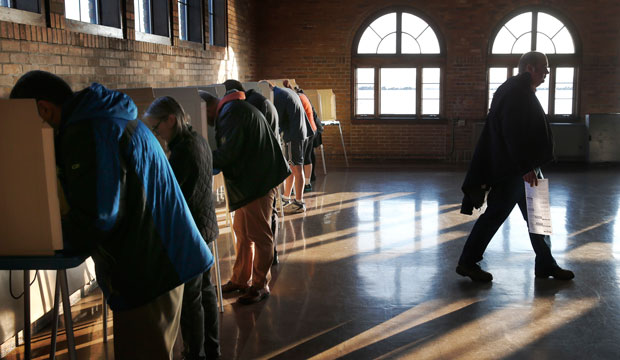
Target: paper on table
x: 538, y: 208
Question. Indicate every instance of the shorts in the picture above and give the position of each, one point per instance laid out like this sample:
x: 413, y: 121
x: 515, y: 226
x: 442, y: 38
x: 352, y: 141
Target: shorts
x: 294, y: 151
x: 308, y: 150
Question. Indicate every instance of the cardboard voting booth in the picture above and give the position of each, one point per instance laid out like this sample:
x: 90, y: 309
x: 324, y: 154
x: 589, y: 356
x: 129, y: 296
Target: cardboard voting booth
x: 217, y: 90
x: 30, y: 222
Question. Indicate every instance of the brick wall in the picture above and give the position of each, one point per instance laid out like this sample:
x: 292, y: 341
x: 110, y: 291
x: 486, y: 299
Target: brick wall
x: 82, y: 58
x: 312, y: 40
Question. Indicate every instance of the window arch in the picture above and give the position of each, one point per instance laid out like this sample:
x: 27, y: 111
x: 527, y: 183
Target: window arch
x: 538, y: 30
x: 397, y: 67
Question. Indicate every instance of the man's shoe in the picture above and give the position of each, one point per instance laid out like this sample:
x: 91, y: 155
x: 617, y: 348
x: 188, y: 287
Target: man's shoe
x: 557, y: 273
x: 230, y: 287
x: 295, y: 207
x: 285, y: 200
x: 474, y: 272
x: 253, y: 295
x: 308, y: 188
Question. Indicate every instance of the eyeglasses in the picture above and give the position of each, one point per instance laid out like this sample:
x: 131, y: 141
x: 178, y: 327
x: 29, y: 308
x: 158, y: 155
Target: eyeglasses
x: 154, y: 128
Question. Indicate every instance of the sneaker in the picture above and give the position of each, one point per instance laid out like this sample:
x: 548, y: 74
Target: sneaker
x: 557, y: 273
x: 230, y: 287
x: 474, y: 272
x: 284, y: 200
x: 308, y: 188
x: 294, y: 207
x: 253, y: 295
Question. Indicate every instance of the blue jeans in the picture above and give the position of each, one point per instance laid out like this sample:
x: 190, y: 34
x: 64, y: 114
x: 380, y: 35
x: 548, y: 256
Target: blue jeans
x: 500, y: 202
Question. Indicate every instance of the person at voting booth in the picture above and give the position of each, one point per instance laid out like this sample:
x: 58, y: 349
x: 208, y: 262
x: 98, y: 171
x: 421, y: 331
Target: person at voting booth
x: 126, y: 210
x: 515, y: 142
x: 190, y: 158
x: 270, y: 113
x: 296, y: 129
x: 249, y: 155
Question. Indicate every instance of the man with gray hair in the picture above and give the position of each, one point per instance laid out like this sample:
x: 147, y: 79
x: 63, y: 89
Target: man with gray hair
x: 515, y: 142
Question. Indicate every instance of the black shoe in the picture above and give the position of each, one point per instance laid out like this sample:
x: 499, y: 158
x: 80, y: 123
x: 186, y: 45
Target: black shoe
x: 230, y: 287
x: 253, y: 295
x: 557, y: 273
x: 276, y: 261
x: 474, y: 272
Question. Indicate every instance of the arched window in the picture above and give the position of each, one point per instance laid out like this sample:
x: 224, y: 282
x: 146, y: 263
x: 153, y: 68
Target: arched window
x: 538, y: 30
x: 397, y: 68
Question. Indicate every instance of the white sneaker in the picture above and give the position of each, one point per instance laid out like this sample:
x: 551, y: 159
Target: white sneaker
x: 294, y: 207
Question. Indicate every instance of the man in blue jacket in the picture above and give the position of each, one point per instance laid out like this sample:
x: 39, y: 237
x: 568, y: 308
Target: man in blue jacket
x: 515, y: 142
x: 125, y: 209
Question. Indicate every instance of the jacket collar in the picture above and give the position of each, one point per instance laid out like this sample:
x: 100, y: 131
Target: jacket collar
x: 235, y: 95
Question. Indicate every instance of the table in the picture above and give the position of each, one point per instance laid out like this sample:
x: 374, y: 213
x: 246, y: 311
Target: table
x: 59, y: 262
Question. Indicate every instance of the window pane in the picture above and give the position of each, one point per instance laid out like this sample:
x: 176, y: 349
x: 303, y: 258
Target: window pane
x: 564, y: 42
x: 428, y: 42
x: 503, y: 42
x: 387, y: 45
x: 542, y: 93
x: 368, y: 42
x: 5, y: 3
x: 72, y: 9
x: 413, y: 25
x: 497, y: 76
x: 398, y: 91
x: 564, y: 90
x: 365, y: 87
x: 544, y: 44
x: 409, y: 45
x: 520, y: 24
x: 523, y: 44
x: 142, y: 10
x: 88, y: 11
x: 182, y: 20
x: 384, y: 25
x: 430, y: 91
x: 548, y: 24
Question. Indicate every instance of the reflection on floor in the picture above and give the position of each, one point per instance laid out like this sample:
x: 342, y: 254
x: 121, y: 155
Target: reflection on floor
x: 368, y: 272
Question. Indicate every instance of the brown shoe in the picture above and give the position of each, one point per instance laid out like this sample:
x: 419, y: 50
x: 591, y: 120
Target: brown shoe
x: 253, y: 295
x: 230, y: 287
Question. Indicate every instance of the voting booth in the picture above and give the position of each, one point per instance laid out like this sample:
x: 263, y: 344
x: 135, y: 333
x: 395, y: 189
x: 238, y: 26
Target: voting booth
x: 324, y: 102
x: 30, y: 223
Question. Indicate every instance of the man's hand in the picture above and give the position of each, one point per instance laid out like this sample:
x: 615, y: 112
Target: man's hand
x: 531, y: 178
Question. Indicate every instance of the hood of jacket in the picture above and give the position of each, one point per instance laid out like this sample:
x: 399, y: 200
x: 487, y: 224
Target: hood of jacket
x: 96, y: 101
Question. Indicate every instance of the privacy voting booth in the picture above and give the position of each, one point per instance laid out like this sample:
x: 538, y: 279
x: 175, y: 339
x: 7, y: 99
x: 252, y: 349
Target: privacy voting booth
x: 30, y: 226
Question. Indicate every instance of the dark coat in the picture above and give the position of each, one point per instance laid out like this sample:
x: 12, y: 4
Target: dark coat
x: 248, y: 153
x: 516, y: 139
x: 265, y: 106
x: 294, y: 122
x: 126, y: 208
x: 191, y: 161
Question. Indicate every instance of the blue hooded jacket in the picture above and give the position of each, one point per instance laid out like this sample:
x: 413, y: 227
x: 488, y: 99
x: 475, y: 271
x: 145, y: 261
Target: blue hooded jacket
x: 126, y: 209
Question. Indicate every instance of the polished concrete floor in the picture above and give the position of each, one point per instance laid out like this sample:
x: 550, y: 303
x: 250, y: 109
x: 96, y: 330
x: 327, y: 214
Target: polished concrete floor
x: 368, y: 273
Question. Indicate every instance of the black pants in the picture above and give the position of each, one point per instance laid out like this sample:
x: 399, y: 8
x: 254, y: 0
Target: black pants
x: 500, y: 202
x: 199, y: 319
x: 211, y: 318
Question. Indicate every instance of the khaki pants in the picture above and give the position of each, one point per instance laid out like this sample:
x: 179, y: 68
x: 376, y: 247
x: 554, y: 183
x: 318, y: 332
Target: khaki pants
x: 252, y: 226
x: 149, y: 331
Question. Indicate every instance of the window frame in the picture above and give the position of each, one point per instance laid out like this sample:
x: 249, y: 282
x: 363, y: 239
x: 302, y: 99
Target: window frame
x: 26, y: 17
x: 510, y: 61
x: 398, y: 60
x: 97, y: 29
x: 152, y: 37
x: 192, y: 17
x: 214, y: 39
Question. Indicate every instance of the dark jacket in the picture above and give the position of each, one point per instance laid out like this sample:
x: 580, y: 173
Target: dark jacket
x: 516, y: 139
x: 266, y: 108
x: 191, y: 160
x: 126, y: 208
x: 294, y: 122
x: 248, y: 153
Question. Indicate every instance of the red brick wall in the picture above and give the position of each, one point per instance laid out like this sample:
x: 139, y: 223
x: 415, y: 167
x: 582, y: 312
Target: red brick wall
x: 311, y: 42
x: 121, y: 63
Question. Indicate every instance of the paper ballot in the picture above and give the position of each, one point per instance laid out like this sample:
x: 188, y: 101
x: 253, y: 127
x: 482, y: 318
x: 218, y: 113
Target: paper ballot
x: 538, y: 207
